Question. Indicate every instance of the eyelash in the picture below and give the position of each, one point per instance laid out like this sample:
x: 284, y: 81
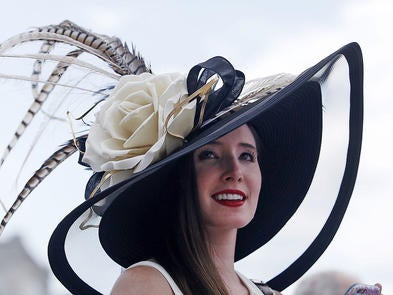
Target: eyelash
x: 207, y: 154
x: 252, y: 156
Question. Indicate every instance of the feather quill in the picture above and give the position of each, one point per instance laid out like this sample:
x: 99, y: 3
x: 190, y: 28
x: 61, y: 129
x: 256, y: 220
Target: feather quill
x: 36, y: 106
x: 46, y: 168
x: 111, y: 50
x: 46, y: 47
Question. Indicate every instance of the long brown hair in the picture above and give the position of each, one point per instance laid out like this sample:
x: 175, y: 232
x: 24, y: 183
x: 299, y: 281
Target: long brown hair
x: 186, y: 255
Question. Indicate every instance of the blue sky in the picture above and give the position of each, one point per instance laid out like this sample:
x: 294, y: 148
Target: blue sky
x: 260, y: 39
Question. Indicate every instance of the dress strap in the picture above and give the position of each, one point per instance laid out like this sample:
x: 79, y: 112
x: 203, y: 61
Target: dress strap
x: 253, y: 288
x: 167, y: 276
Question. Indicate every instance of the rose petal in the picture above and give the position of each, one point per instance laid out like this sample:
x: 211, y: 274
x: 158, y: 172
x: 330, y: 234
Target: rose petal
x: 113, y: 149
x: 108, y: 119
x: 181, y: 125
x: 124, y: 164
x: 155, y: 153
x: 145, y: 134
x: 130, y: 94
x: 183, y: 122
x: 129, y: 106
x: 135, y: 118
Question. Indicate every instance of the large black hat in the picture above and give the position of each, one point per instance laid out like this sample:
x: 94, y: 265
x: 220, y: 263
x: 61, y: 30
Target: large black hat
x: 310, y: 129
x: 295, y: 122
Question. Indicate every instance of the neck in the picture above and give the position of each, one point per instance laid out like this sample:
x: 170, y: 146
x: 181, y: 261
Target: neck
x: 222, y: 245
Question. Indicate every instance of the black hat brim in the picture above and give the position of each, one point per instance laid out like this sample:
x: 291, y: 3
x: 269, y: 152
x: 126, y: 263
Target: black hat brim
x: 290, y: 121
x: 290, y: 131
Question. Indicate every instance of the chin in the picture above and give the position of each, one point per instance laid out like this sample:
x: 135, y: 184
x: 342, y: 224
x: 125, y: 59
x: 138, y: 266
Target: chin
x: 229, y: 220
x: 244, y: 223
x: 236, y: 222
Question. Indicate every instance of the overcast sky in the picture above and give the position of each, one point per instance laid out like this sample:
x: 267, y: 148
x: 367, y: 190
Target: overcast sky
x: 260, y: 39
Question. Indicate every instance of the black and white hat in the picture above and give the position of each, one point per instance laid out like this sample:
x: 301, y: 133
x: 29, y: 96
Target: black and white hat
x: 149, y: 123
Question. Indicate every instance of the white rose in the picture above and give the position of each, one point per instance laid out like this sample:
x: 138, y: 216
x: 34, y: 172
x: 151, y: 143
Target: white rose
x: 129, y: 132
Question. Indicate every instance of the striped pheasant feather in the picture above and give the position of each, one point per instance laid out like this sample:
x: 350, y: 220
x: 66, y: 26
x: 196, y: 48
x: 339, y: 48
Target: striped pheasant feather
x: 39, y: 100
x: 46, y: 48
x: 46, y: 168
x: 111, y: 50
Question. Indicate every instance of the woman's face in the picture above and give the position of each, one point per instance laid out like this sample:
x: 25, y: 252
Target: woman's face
x: 228, y: 179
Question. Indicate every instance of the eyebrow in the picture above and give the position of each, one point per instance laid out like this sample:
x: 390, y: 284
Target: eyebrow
x: 243, y: 144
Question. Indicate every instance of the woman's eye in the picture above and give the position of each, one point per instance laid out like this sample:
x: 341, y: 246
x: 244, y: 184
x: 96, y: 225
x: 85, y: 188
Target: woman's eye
x: 204, y: 155
x: 248, y: 156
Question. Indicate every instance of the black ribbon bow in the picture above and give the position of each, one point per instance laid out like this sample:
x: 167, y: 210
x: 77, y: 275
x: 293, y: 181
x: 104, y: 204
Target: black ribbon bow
x: 219, y: 99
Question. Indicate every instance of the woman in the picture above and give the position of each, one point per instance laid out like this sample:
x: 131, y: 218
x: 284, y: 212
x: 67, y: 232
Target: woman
x: 198, y: 171
x: 228, y: 181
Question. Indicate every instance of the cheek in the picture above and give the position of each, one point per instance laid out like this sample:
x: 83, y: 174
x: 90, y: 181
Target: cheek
x: 199, y: 179
x: 257, y: 183
x: 204, y: 174
x: 203, y: 179
x: 206, y: 184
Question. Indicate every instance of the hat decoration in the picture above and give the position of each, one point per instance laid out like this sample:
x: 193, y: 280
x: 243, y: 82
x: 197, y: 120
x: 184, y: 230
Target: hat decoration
x: 144, y: 124
x: 148, y: 116
x: 79, y: 42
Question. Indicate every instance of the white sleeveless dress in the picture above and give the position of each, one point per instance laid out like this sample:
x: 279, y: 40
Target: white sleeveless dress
x: 252, y: 288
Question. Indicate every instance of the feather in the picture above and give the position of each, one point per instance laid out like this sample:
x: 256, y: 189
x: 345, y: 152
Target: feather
x: 46, y: 47
x: 46, y: 168
x: 110, y: 50
x: 47, y: 88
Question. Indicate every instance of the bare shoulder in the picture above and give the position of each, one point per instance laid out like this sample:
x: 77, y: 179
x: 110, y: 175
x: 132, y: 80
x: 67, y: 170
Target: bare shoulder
x: 141, y: 280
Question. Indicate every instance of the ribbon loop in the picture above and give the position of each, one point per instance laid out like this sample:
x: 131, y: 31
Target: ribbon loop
x: 232, y: 85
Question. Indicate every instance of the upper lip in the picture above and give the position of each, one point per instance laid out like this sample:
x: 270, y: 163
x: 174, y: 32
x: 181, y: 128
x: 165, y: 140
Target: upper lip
x: 231, y: 191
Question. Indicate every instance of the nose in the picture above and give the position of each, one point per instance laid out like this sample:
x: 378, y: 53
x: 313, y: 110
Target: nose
x: 232, y: 170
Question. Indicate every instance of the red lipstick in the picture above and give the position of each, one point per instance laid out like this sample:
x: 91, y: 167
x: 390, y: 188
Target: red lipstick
x: 230, y: 198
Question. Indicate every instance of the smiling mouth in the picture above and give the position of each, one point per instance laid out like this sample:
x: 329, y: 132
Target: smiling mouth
x: 230, y: 198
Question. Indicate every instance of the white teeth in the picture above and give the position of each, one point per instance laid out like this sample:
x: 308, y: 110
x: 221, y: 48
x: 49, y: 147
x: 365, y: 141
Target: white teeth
x: 221, y: 197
